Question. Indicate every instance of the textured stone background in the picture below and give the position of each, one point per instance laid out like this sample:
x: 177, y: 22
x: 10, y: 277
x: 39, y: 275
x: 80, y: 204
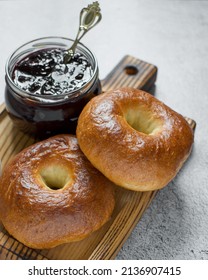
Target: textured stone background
x: 173, y: 35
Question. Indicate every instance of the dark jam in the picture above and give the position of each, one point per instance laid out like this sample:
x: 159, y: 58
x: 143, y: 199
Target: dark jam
x: 45, y: 73
x: 50, y: 105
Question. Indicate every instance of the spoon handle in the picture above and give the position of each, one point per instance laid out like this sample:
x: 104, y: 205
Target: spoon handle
x: 89, y: 17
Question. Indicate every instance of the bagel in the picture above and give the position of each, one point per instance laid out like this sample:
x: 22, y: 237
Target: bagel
x: 50, y: 194
x: 135, y: 140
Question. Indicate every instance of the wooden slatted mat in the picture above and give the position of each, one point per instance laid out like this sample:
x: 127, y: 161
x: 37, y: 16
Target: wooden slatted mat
x: 106, y: 242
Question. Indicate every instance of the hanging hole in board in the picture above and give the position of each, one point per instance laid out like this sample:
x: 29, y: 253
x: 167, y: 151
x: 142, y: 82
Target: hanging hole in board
x: 131, y: 70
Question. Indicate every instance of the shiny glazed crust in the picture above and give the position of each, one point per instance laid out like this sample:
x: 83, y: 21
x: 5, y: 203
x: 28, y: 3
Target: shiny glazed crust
x: 42, y: 217
x: 135, y: 140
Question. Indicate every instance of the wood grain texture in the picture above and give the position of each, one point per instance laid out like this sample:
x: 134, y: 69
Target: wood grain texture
x: 131, y: 72
x: 106, y: 242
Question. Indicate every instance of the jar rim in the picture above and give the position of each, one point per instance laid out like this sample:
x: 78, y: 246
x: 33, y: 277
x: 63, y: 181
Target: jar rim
x: 51, y: 98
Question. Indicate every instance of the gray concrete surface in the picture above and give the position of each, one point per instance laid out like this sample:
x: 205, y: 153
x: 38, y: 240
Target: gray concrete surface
x: 174, y: 36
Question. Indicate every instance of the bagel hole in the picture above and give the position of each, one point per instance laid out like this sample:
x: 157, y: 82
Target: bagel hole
x: 55, y: 176
x: 142, y: 121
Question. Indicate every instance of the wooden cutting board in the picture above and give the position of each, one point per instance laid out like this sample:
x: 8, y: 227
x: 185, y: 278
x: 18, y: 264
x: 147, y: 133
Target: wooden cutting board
x: 106, y: 242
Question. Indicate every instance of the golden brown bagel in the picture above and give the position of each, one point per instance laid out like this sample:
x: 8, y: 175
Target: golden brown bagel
x: 135, y: 140
x: 51, y: 194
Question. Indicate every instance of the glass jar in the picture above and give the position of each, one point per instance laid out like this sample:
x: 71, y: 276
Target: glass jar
x: 45, y: 115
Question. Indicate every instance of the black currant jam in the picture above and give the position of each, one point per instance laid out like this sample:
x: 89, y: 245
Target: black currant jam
x: 45, y: 73
x: 43, y: 95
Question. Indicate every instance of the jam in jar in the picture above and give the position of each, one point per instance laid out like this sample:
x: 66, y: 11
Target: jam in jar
x: 44, y: 95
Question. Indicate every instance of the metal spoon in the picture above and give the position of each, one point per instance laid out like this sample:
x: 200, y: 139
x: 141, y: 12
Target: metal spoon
x: 89, y: 17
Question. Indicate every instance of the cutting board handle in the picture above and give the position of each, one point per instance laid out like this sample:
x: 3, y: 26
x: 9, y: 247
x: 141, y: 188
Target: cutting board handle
x: 131, y: 72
